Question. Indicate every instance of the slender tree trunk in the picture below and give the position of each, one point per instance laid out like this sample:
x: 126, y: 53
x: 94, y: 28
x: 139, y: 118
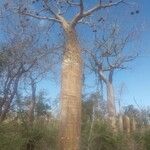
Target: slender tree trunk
x: 1, y: 104
x: 111, y: 108
x: 4, y: 112
x: 7, y: 104
x: 126, y: 124
x: 70, y: 115
x: 132, y: 125
x: 111, y: 100
x: 33, y: 102
x: 120, y: 122
x: 111, y: 104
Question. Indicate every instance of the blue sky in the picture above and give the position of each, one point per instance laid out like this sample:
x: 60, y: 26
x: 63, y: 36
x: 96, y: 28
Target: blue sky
x: 137, y: 79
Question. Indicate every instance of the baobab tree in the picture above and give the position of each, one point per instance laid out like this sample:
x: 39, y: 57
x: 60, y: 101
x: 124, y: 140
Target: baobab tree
x: 108, y: 56
x: 59, y: 11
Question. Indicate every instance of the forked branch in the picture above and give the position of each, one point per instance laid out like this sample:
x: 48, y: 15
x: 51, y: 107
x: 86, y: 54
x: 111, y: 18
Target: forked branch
x: 99, y: 6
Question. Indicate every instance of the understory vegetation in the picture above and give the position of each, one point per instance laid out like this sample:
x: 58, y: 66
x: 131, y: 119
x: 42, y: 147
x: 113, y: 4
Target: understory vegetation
x: 96, y: 132
x: 43, y: 135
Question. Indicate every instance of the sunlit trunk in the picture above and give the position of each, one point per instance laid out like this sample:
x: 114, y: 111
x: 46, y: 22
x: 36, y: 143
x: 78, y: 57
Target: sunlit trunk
x: 126, y: 124
x: 132, y: 125
x: 111, y: 100
x: 70, y: 115
x: 120, y: 123
x: 111, y: 104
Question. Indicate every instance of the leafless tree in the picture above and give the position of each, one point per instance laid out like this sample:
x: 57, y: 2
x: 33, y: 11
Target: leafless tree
x: 21, y: 59
x: 16, y: 64
x: 33, y: 78
x: 109, y: 55
x: 23, y: 54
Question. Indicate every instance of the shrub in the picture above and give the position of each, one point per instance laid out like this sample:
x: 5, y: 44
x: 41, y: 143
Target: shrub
x: 100, y: 136
x: 21, y: 136
x: 147, y: 139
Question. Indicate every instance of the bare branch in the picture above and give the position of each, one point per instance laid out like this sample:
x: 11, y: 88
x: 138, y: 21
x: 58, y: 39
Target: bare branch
x: 102, y: 77
x: 79, y: 15
x: 111, y: 76
x: 72, y: 3
x: 99, y: 6
x: 1, y: 14
x: 56, y: 15
x: 41, y: 17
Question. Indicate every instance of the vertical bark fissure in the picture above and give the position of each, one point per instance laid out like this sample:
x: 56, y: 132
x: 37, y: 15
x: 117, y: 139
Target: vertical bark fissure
x: 70, y: 116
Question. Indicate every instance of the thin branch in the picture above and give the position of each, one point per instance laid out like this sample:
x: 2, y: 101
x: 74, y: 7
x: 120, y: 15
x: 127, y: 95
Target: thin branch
x: 41, y: 17
x: 99, y: 6
x: 56, y: 15
x: 102, y: 77
x: 111, y: 75
x: 72, y: 3
x: 79, y: 15
x: 1, y: 14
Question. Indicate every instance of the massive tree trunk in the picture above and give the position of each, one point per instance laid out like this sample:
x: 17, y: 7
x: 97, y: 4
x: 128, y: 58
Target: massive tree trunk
x: 70, y: 115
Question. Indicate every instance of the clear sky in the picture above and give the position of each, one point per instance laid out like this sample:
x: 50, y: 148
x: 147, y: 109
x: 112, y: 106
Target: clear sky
x: 137, y: 79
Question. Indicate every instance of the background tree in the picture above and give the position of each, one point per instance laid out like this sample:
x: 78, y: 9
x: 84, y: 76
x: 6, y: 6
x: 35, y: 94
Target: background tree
x: 16, y: 66
x: 19, y: 61
x: 141, y: 115
x: 108, y: 56
x: 22, y: 48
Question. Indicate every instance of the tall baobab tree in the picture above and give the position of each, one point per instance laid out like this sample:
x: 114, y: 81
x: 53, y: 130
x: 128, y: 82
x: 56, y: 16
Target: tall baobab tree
x: 58, y: 11
x: 108, y: 56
